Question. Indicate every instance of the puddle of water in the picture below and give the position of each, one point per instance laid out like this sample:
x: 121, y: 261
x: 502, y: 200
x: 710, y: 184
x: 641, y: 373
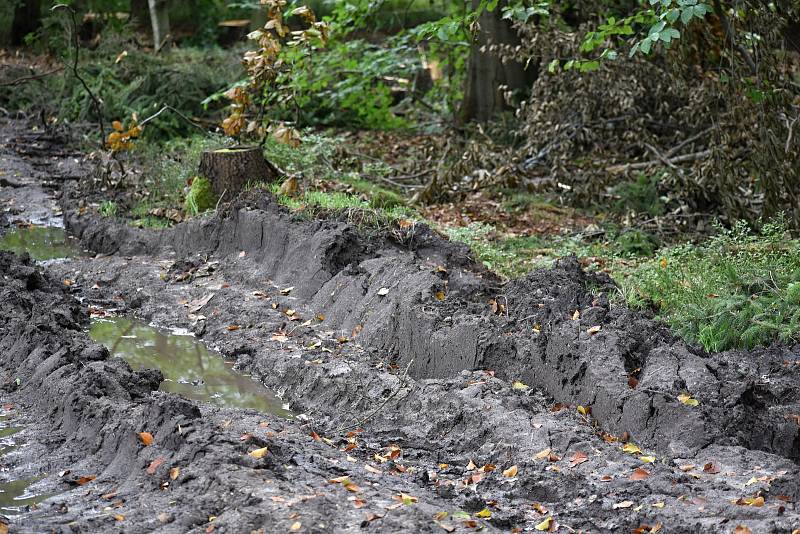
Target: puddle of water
x: 41, y: 242
x: 189, y: 367
x: 15, y: 495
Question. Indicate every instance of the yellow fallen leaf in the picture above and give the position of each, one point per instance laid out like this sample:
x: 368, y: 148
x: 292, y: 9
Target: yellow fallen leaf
x: 545, y: 525
x: 582, y: 410
x: 258, y: 453
x: 542, y: 454
x: 484, y: 514
x: 297, y: 525
x: 511, y: 471
x: 576, y: 315
x: 119, y: 517
x: 688, y: 400
x: 647, y: 459
x: 630, y: 448
x: 516, y: 384
x: 439, y: 295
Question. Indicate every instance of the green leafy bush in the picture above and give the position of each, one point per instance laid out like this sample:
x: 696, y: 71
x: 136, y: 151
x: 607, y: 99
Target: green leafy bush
x: 739, y: 289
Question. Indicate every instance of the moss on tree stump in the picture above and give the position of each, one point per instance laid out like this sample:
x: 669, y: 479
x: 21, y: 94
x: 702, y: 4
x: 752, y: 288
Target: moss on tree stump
x: 230, y: 169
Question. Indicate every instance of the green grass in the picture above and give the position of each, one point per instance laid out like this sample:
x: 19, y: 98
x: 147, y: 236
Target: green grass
x: 108, y: 208
x: 739, y: 289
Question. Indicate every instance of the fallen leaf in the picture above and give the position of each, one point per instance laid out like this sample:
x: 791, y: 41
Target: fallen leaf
x: 647, y: 459
x: 471, y: 465
x: 578, y: 458
x: 439, y: 295
x: 544, y: 525
x: 710, y: 468
x: 286, y: 290
x: 119, y: 517
x: 593, y: 330
x: 258, y: 453
x: 174, y: 473
x: 630, y: 448
x: 688, y: 400
x: 633, y: 382
x: 484, y: 514
x: 146, y: 438
x: 438, y: 516
x: 542, y: 454
x: 623, y: 504
x: 584, y: 411
x: 382, y: 292
x: 371, y: 469
x: 511, y: 471
x: 742, y: 529
x: 154, y: 465
x: 539, y: 508
x: 659, y: 504
x: 516, y: 384
x: 639, y: 474
x: 405, y: 498
x: 758, y: 502
x: 85, y: 480
x: 233, y: 327
x: 297, y: 525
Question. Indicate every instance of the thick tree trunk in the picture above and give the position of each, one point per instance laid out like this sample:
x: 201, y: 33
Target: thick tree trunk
x: 27, y: 19
x: 488, y: 77
x: 230, y: 169
x: 159, y: 18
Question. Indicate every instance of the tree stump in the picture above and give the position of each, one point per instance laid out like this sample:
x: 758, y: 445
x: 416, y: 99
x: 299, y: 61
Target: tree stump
x: 230, y: 169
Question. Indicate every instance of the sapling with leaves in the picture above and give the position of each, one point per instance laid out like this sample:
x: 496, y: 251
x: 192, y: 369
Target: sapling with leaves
x: 269, y: 69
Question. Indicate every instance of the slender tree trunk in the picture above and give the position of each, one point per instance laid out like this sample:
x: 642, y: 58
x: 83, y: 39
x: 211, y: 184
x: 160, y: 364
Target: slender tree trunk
x: 159, y: 17
x: 140, y: 13
x: 27, y: 19
x: 488, y: 77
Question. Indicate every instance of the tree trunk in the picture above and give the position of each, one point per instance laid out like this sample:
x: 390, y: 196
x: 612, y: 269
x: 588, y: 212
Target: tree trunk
x: 27, y: 19
x: 140, y: 13
x: 159, y: 18
x: 488, y: 77
x: 230, y: 169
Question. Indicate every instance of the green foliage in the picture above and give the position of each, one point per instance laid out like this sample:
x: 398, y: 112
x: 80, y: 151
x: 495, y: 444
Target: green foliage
x: 108, y: 208
x: 738, y: 289
x: 352, y: 82
x: 200, y: 197
x: 351, y: 207
x: 478, y: 236
x: 639, y: 196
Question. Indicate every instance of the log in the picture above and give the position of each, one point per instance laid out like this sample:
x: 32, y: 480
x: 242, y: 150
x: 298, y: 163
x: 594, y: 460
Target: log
x: 230, y: 169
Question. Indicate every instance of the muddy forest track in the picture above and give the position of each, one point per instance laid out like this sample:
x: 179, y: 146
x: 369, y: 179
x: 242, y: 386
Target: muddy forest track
x: 363, y: 341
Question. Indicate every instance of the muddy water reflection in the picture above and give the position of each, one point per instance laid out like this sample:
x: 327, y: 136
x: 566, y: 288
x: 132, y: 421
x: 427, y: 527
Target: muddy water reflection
x: 41, y: 242
x: 189, y: 367
x: 15, y: 496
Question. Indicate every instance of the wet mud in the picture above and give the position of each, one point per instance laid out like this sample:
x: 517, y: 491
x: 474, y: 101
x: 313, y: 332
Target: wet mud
x: 413, y: 395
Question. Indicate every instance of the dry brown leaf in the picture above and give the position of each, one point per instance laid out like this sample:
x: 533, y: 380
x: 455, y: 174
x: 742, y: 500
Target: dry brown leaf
x: 146, y: 438
x: 578, y: 458
x: 711, y: 468
x: 639, y: 474
x: 511, y: 471
x: 154, y: 465
x: 174, y: 473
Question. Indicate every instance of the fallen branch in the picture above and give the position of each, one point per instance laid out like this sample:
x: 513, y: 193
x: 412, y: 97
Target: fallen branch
x: 24, y: 79
x: 646, y: 164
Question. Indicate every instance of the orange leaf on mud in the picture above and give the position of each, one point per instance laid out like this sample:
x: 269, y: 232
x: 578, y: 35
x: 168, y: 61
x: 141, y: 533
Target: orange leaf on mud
x: 154, y: 465
x: 711, y: 468
x: 85, y: 480
x: 742, y: 529
x: 233, y: 327
x: 511, y: 471
x: 578, y: 458
x: 146, y: 437
x: 639, y: 474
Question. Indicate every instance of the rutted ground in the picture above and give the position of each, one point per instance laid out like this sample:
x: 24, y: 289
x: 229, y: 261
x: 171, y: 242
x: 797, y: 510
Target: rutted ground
x: 382, y: 353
